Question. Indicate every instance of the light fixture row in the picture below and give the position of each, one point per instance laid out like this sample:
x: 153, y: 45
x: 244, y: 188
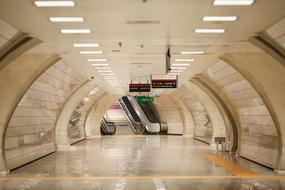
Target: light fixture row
x: 69, y: 3
x: 103, y: 69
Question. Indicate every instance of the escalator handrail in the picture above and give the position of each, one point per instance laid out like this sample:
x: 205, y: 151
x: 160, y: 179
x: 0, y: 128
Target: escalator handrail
x: 147, y: 111
x: 135, y: 124
x: 108, y: 129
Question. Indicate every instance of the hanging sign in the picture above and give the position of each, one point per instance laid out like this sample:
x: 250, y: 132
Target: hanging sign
x: 164, y: 83
x: 139, y: 87
x: 144, y: 99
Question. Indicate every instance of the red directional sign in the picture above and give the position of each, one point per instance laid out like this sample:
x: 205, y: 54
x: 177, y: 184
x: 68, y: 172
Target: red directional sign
x: 139, y: 87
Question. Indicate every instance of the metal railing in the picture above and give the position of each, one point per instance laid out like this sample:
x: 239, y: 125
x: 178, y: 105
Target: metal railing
x: 108, y: 128
x: 138, y: 127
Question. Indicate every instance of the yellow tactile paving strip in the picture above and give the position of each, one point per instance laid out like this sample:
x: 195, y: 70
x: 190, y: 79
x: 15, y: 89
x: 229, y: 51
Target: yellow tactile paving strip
x: 230, y: 166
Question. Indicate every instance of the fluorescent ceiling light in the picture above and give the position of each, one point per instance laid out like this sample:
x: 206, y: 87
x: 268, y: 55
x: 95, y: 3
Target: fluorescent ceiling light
x: 176, y: 71
x: 214, y: 31
x: 100, y: 64
x: 75, y: 31
x: 112, y: 81
x: 86, y: 45
x: 97, y: 60
x: 180, y: 64
x: 91, y: 52
x: 54, y: 3
x: 103, y: 68
x: 219, y: 18
x: 173, y: 74
x: 233, y: 2
x: 184, y: 60
x: 169, y: 77
x: 66, y: 19
x: 105, y: 71
x: 106, y: 74
x: 192, y: 52
x: 178, y: 68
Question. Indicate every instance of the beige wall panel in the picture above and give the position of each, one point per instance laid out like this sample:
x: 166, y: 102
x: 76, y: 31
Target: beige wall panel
x: 6, y: 30
x: 257, y: 129
x: 32, y: 124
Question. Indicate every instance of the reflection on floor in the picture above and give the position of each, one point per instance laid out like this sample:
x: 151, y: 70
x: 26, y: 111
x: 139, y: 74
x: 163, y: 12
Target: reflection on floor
x: 142, y: 162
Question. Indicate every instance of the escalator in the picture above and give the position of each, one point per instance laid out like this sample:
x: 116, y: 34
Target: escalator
x: 148, y: 109
x: 142, y: 119
x: 131, y: 109
x: 134, y: 120
x: 107, y: 127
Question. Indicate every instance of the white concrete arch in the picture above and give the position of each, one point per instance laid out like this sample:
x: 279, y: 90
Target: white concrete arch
x: 61, y: 135
x: 219, y: 126
x: 256, y: 68
x: 187, y: 117
x: 27, y: 68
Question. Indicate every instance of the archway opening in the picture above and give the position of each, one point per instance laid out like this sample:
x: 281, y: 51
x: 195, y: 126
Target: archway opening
x: 132, y: 115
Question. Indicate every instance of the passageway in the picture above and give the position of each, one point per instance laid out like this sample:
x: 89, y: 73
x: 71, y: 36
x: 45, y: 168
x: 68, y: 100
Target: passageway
x: 142, y: 94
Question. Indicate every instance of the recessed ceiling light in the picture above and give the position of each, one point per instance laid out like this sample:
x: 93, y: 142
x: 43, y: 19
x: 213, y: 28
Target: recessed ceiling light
x: 91, y: 52
x: 214, y: 31
x: 233, y: 2
x: 54, y: 3
x: 66, y: 19
x: 178, y: 68
x: 167, y: 76
x: 184, y: 60
x: 110, y: 78
x: 192, y: 52
x: 100, y: 64
x: 219, y: 18
x: 75, y: 31
x: 180, y: 64
x: 83, y: 45
x: 172, y: 74
x: 112, y: 82
x: 176, y: 71
x: 106, y: 74
x: 97, y: 60
x: 103, y: 68
x: 105, y: 71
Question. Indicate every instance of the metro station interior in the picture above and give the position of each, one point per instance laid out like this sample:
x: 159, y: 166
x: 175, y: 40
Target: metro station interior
x: 142, y: 94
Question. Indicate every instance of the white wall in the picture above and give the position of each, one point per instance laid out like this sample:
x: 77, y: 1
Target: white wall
x: 169, y: 113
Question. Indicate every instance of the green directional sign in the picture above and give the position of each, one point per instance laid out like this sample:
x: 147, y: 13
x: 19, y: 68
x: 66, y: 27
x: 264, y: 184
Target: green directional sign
x: 144, y: 99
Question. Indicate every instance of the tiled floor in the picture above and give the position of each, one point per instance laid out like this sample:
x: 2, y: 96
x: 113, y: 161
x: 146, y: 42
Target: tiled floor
x: 139, y: 162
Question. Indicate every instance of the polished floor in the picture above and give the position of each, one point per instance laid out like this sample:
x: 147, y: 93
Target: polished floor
x: 142, y: 162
